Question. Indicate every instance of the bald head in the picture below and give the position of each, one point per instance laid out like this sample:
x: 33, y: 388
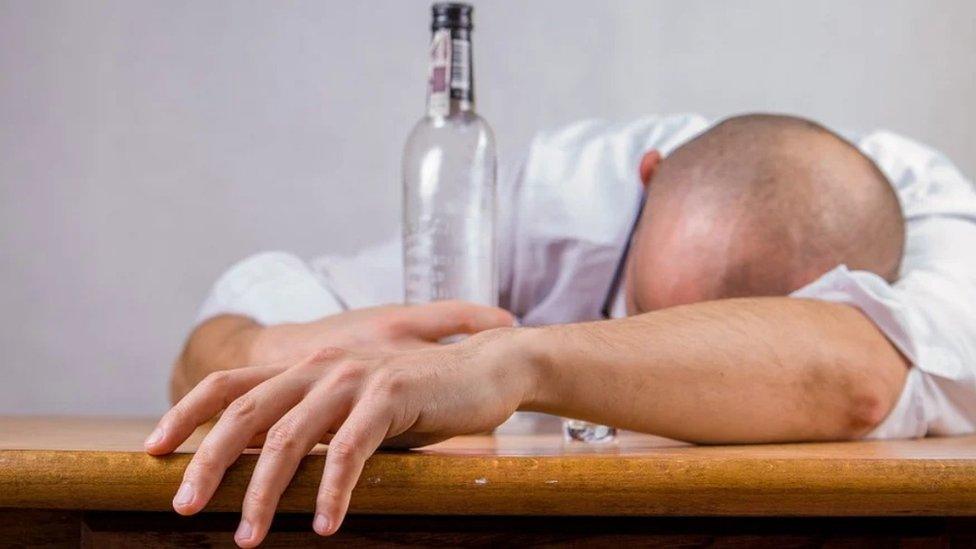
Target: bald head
x: 760, y: 205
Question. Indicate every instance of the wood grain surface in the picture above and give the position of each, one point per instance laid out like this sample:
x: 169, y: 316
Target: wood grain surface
x: 97, y: 464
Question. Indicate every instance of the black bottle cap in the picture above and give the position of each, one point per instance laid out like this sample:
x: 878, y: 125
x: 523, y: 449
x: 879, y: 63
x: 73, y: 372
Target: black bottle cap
x: 451, y: 15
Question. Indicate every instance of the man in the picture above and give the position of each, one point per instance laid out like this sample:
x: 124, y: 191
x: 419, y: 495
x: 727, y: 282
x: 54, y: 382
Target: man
x: 778, y: 287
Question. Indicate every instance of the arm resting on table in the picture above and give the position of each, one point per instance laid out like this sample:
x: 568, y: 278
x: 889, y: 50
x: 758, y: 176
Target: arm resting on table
x: 737, y: 370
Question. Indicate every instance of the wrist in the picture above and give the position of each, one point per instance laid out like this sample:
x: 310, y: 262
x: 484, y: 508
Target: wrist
x: 233, y: 339
x: 260, y: 344
x: 220, y: 343
x: 245, y: 342
x: 520, y: 357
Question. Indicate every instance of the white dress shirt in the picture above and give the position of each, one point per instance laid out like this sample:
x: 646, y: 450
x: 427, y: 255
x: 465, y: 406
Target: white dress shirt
x: 564, y: 223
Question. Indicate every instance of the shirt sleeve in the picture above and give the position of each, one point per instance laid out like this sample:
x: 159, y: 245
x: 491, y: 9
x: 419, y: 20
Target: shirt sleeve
x: 271, y: 288
x: 924, y: 316
x: 278, y: 287
x: 927, y: 314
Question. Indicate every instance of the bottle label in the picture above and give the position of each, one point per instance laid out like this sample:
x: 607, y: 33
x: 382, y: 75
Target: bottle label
x: 460, y: 69
x: 438, y: 90
x: 450, y: 72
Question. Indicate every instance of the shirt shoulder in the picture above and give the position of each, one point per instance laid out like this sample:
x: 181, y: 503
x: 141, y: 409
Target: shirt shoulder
x: 615, y: 146
x: 590, y: 164
x: 572, y: 208
x: 926, y: 181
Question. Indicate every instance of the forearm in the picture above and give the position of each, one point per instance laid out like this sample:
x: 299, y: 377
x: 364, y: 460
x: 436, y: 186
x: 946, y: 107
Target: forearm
x: 743, y: 370
x: 221, y: 343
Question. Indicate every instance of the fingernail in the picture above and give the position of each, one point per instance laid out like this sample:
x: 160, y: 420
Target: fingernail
x: 184, y: 496
x: 321, y: 525
x: 244, y: 531
x: 154, y: 437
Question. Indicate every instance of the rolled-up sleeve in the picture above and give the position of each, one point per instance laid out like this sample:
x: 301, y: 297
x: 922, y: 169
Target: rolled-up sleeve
x: 278, y: 287
x: 925, y: 316
x: 271, y: 288
x: 929, y: 313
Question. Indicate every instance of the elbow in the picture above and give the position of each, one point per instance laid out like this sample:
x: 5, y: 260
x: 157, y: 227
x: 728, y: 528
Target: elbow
x: 864, y: 411
x: 870, y: 374
x: 868, y: 400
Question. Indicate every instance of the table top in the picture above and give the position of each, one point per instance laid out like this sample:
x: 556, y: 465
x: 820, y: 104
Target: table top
x: 98, y: 463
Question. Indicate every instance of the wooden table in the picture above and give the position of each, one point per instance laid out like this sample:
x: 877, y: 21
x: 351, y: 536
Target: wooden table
x: 70, y: 481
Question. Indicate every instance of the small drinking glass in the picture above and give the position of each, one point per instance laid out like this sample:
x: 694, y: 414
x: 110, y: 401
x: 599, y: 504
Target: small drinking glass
x: 575, y: 430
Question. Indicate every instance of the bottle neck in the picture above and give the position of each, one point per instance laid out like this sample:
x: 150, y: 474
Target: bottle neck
x: 450, y: 86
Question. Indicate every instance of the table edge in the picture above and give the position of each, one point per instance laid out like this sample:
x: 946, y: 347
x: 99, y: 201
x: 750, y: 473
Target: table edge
x: 584, y: 484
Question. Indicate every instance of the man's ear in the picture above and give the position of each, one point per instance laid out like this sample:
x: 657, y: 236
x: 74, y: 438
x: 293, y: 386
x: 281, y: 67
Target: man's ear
x: 648, y: 166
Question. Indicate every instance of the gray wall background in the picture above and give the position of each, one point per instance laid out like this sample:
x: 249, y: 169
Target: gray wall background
x: 144, y: 146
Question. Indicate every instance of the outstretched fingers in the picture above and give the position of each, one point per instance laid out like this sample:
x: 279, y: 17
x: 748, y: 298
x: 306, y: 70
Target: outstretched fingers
x: 250, y: 414
x: 294, y: 408
x: 202, y: 403
x: 287, y: 442
x: 360, y: 435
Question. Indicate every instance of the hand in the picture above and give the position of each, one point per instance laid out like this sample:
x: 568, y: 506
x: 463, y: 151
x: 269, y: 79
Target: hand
x: 407, y: 398
x: 228, y: 342
x: 389, y: 327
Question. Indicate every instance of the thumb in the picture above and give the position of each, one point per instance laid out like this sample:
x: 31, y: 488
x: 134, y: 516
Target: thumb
x: 433, y: 321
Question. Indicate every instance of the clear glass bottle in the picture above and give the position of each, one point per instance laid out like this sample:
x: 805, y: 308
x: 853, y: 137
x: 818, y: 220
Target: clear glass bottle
x: 449, y: 178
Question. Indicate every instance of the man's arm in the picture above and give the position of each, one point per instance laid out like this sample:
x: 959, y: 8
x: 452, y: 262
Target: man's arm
x: 227, y: 341
x: 273, y: 307
x: 739, y: 370
x: 744, y: 370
